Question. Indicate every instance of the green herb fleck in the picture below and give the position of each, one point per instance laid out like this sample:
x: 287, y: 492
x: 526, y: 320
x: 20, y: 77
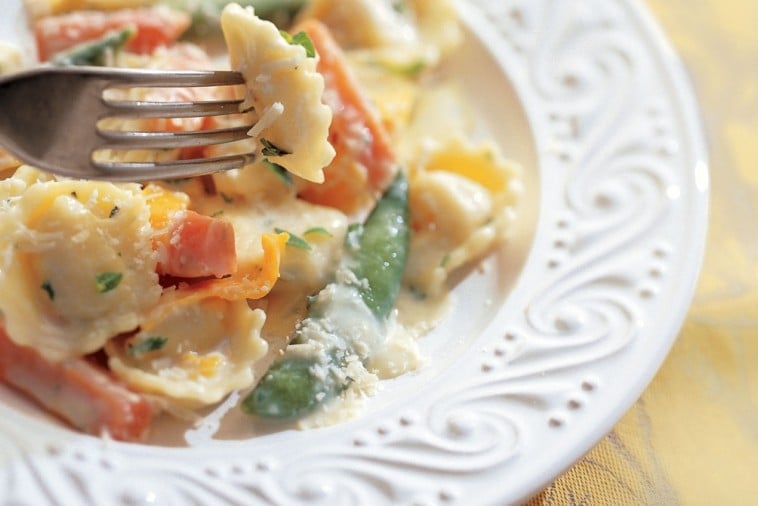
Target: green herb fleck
x: 114, y: 212
x: 271, y: 149
x: 48, y: 288
x: 226, y: 198
x: 445, y: 260
x: 279, y: 171
x: 318, y: 231
x: 150, y: 344
x: 217, y: 213
x: 295, y: 241
x: 107, y: 281
x: 300, y: 39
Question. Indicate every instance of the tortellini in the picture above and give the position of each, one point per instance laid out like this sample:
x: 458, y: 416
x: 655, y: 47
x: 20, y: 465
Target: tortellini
x: 463, y: 191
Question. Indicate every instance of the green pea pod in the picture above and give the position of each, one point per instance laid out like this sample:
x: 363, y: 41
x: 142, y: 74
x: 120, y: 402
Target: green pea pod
x: 206, y: 14
x: 376, y: 252
x: 93, y: 52
x: 289, y: 390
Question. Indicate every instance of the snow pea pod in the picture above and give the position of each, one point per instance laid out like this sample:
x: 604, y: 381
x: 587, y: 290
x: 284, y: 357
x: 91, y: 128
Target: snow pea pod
x: 207, y: 13
x: 376, y: 253
x: 94, y: 52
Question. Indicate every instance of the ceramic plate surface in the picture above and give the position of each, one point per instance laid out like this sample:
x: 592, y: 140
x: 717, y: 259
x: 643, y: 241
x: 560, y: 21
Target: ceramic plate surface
x: 551, y: 340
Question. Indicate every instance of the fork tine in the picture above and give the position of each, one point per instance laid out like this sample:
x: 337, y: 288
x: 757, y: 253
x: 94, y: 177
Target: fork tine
x: 145, y: 171
x: 113, y: 139
x: 178, y: 78
x: 141, y: 109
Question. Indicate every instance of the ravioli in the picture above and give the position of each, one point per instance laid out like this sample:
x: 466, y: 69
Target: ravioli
x: 77, y: 262
x: 195, y: 354
x: 284, y: 89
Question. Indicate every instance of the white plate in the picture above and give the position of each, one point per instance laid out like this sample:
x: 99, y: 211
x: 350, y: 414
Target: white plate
x: 551, y: 342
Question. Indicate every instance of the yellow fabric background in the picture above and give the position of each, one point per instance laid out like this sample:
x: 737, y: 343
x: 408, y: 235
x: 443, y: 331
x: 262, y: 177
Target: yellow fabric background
x: 692, y: 438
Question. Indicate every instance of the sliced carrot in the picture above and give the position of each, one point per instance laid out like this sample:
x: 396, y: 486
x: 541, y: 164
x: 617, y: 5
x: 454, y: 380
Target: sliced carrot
x: 78, y: 391
x: 155, y: 27
x: 365, y: 163
x: 197, y: 246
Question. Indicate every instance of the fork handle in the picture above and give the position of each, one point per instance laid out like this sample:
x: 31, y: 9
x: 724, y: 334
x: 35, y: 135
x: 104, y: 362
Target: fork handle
x: 109, y: 76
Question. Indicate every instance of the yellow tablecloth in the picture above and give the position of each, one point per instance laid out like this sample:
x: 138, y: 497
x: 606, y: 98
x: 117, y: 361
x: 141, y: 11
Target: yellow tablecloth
x: 693, y: 436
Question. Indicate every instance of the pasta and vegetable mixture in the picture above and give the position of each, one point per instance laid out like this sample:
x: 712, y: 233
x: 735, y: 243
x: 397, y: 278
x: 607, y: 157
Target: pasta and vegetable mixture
x: 295, y: 283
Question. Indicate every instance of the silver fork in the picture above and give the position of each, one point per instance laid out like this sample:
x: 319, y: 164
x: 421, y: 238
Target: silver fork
x: 49, y: 117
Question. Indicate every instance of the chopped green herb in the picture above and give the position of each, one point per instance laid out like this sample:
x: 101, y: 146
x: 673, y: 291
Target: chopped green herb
x: 300, y: 39
x: 114, y: 212
x: 295, y: 241
x: 271, y: 149
x: 226, y: 198
x: 150, y: 344
x: 318, y: 231
x: 48, y: 288
x: 217, y: 213
x: 107, y: 281
x: 445, y: 260
x: 279, y: 171
x: 409, y: 69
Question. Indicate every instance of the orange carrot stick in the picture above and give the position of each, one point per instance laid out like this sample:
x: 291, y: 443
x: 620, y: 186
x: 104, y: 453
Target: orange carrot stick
x: 365, y: 163
x: 155, y: 27
x: 78, y: 391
